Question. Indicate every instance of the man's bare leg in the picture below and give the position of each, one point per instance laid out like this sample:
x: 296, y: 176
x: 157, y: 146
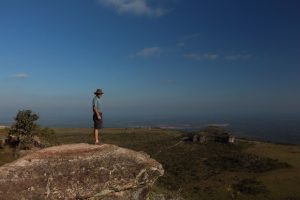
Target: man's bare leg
x: 96, y: 133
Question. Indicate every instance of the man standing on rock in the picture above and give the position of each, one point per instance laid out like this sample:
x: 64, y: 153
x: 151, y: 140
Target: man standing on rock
x: 97, y: 117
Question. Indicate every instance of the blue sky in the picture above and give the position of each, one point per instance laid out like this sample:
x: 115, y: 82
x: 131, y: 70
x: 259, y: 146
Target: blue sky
x: 167, y: 58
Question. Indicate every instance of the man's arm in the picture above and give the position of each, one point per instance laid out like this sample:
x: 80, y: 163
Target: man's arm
x: 95, y: 109
x: 97, y: 112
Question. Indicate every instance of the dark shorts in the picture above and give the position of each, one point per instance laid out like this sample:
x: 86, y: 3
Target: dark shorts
x: 97, y: 123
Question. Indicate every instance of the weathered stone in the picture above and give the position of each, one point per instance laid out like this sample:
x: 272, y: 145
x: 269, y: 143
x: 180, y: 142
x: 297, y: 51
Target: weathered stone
x: 80, y: 171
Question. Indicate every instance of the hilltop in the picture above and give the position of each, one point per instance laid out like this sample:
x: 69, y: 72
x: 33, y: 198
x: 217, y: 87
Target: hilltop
x: 243, y: 170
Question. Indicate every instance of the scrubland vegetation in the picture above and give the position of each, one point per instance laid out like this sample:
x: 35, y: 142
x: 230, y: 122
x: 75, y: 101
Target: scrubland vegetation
x: 243, y: 170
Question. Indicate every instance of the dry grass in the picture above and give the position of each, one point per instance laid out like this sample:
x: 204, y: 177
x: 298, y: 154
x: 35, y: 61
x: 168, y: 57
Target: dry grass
x: 283, y: 183
x: 186, y: 173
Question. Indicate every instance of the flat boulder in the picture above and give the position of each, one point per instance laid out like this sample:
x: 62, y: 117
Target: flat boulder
x: 80, y: 171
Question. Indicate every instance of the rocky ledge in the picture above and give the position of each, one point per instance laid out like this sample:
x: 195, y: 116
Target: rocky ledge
x: 80, y: 171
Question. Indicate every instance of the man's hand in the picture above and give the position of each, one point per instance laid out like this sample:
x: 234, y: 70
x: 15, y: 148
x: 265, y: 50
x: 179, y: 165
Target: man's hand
x: 99, y: 116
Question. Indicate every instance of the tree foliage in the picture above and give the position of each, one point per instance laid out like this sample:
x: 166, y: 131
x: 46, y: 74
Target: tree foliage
x: 25, y: 123
x: 27, y: 132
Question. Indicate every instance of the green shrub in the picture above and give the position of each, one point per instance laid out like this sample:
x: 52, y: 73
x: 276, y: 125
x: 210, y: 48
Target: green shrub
x: 24, y: 128
x: 249, y: 186
x: 47, y: 136
x: 25, y: 123
x: 244, y: 162
x: 28, y: 134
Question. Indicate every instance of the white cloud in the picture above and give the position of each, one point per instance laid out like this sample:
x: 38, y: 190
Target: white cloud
x: 150, y: 52
x: 238, y: 57
x: 135, y: 7
x: 205, y: 56
x: 20, y: 76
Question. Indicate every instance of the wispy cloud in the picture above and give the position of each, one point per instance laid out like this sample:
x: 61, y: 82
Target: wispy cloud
x: 150, y: 52
x: 135, y: 7
x: 185, y: 40
x: 180, y: 44
x: 20, y: 76
x: 238, y: 57
x: 204, y: 56
x: 191, y: 36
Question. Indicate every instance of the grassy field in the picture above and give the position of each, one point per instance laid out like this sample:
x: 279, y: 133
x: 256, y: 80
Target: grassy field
x: 245, y: 170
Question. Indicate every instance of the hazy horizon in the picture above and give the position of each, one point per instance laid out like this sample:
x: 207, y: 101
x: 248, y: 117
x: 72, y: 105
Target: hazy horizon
x: 283, y: 129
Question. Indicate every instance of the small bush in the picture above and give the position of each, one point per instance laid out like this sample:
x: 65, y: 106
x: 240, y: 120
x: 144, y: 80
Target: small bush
x: 47, y: 137
x: 244, y: 162
x: 249, y: 186
x: 24, y: 128
x: 25, y: 133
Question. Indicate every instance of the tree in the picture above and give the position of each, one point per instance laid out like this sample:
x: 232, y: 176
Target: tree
x: 25, y: 122
x: 24, y: 128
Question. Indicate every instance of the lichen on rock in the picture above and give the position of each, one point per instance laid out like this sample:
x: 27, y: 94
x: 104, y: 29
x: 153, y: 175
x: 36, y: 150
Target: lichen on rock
x: 80, y: 171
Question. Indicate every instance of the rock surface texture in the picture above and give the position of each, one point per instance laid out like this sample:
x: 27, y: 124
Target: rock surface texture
x: 80, y: 171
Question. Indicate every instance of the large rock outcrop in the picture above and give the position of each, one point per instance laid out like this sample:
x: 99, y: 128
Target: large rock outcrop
x: 80, y: 171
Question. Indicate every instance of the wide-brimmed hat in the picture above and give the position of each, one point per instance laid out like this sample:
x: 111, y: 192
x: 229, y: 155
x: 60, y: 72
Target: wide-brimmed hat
x: 98, y: 91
